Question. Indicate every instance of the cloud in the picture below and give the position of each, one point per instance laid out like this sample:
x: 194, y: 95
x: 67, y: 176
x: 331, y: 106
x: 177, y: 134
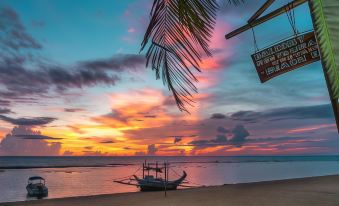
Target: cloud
x: 220, y: 138
x: 71, y: 110
x: 239, y: 135
x: 19, y: 80
x: 286, y: 113
x: 94, y: 153
x: 152, y: 149
x: 201, y: 142
x: 218, y: 116
x: 13, y: 34
x: 150, y: 116
x: 37, y: 137
x: 5, y: 111
x: 4, y: 102
x: 28, y: 121
x: 107, y: 142
x: 88, y: 147
x: 67, y: 153
x: 222, y: 130
x: 15, y: 145
x: 237, y: 138
x: 177, y: 139
x: 117, y: 63
x: 25, y: 74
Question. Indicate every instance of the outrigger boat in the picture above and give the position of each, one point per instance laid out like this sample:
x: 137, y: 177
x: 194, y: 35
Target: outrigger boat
x: 150, y: 183
x: 37, y: 187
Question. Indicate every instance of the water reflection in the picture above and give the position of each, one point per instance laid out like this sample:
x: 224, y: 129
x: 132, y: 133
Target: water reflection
x: 66, y: 182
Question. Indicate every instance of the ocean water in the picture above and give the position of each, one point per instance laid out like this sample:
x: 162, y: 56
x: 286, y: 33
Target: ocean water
x: 81, y: 176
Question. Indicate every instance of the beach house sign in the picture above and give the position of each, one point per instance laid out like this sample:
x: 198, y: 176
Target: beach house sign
x: 286, y: 56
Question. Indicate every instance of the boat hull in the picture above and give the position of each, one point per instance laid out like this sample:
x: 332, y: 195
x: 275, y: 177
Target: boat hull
x: 37, y: 191
x: 159, y: 185
x: 149, y: 187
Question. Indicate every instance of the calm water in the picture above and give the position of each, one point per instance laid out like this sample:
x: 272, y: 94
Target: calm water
x: 79, y: 176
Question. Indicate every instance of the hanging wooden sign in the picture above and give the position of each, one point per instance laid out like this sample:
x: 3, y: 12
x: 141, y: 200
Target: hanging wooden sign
x: 286, y: 56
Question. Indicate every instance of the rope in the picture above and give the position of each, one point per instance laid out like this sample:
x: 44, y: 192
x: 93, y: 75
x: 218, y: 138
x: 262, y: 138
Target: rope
x: 127, y: 177
x: 256, y: 48
x: 291, y: 18
x: 175, y: 172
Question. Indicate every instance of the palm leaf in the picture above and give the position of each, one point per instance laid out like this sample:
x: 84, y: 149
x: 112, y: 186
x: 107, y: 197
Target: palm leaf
x: 178, y: 36
x: 326, y: 27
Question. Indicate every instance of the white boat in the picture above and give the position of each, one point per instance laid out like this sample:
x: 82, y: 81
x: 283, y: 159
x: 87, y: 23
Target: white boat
x: 37, y: 187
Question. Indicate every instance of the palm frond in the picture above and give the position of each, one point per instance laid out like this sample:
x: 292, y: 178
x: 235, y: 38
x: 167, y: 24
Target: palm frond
x: 326, y: 27
x: 178, y: 36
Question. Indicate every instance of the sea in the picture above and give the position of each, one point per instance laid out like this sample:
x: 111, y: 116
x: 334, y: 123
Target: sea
x: 83, y: 176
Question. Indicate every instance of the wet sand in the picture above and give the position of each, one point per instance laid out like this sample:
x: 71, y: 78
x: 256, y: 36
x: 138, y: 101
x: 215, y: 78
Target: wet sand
x: 312, y: 191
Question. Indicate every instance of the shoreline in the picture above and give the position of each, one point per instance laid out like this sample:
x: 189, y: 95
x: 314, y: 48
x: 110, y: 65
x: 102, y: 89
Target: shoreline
x: 321, y: 190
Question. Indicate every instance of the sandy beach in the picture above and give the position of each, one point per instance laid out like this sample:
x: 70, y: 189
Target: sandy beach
x: 306, y: 191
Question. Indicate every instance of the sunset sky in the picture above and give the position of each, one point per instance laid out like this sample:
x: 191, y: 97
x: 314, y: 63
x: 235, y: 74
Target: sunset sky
x: 72, y: 82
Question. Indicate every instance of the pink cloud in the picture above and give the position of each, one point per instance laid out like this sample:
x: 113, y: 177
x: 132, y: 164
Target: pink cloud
x: 310, y: 128
x: 131, y: 30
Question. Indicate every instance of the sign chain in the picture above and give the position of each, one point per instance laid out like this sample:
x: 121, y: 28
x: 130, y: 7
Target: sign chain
x: 291, y: 18
x: 256, y: 48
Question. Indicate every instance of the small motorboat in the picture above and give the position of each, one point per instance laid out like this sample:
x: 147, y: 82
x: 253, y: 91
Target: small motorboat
x: 36, y: 187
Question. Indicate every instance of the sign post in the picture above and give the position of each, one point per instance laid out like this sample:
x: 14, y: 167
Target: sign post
x: 302, y: 49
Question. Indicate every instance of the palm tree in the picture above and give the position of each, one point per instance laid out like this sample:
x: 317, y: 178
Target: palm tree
x: 180, y: 30
x: 178, y: 37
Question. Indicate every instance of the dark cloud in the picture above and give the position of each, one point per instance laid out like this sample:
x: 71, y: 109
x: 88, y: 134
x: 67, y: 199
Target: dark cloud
x: 16, y: 143
x: 287, y: 113
x: 19, y: 81
x: 107, y: 142
x: 37, y: 137
x: 5, y: 111
x: 222, y: 130
x: 151, y: 149
x: 28, y: 121
x: 118, y: 63
x: 239, y: 135
x: 24, y: 74
x: 201, y: 142
x: 218, y: 116
x: 177, y: 139
x: 4, y: 102
x: 117, y: 115
x: 88, y: 147
x: 220, y: 138
x: 238, y: 138
x: 150, y: 116
x: 13, y: 34
x: 73, y: 110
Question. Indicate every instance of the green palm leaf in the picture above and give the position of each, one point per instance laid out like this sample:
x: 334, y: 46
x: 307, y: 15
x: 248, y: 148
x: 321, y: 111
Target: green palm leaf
x: 326, y: 27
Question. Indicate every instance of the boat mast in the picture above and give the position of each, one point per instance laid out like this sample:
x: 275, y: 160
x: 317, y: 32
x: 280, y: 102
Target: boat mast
x: 156, y: 169
x: 143, y: 169
x: 148, y: 168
